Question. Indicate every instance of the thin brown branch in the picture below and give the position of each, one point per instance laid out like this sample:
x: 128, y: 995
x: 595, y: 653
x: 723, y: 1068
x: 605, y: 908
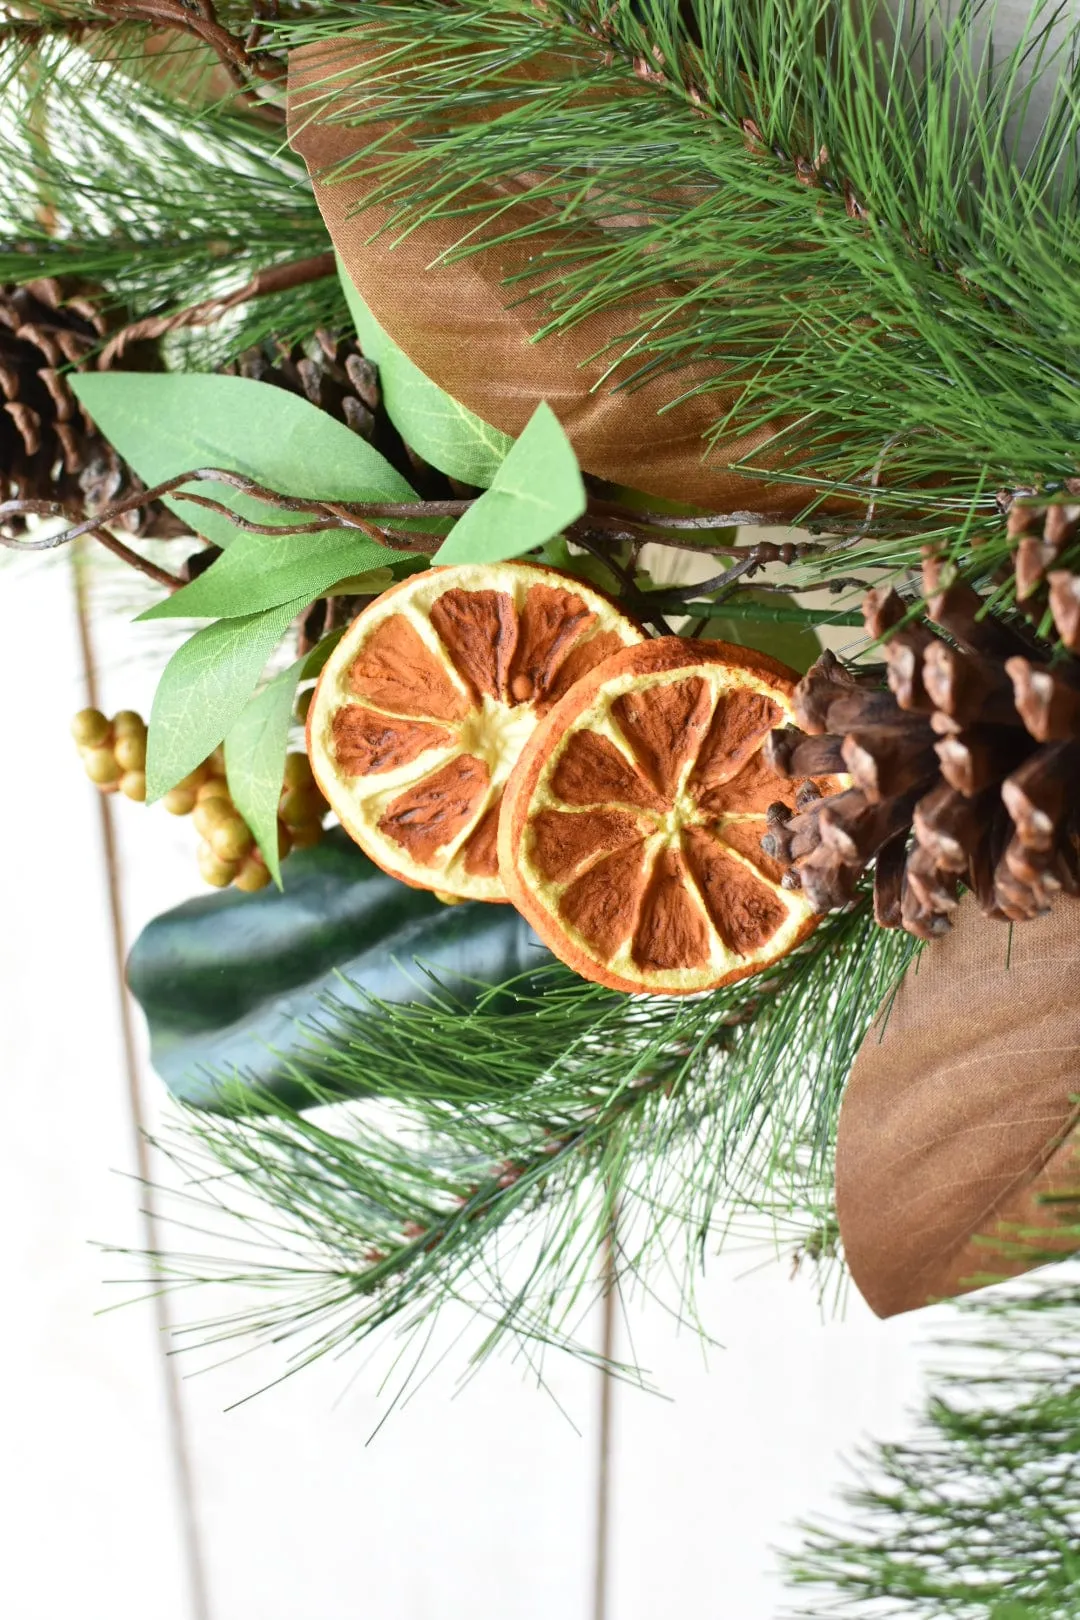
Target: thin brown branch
x: 198, y: 17
x: 277, y: 278
x: 171, y: 582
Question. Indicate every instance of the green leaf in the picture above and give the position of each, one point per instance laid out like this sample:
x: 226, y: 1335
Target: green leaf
x: 203, y: 690
x: 239, y: 988
x: 167, y: 423
x: 536, y: 492
x: 259, y: 571
x: 445, y: 433
x: 255, y: 760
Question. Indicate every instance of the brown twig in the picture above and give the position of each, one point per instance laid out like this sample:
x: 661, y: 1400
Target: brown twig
x: 370, y: 518
x: 171, y: 582
x: 278, y: 278
x: 198, y: 17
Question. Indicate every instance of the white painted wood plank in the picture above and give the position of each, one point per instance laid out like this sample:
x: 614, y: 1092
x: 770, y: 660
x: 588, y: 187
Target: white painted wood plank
x: 757, y: 1435
x: 477, y: 1502
x: 90, y: 1521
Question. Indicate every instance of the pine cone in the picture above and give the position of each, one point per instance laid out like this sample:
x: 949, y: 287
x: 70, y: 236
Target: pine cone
x: 1040, y: 533
x: 334, y: 374
x: 331, y: 373
x: 967, y: 770
x: 49, y: 449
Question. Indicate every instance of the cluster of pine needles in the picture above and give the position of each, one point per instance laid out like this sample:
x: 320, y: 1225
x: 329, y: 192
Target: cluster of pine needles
x: 485, y: 1156
x: 977, y: 1516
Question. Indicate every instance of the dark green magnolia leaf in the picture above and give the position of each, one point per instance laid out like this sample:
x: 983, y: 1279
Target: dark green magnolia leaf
x: 535, y: 493
x: 203, y: 690
x: 241, y: 988
x: 255, y: 760
x: 167, y: 423
x: 444, y: 432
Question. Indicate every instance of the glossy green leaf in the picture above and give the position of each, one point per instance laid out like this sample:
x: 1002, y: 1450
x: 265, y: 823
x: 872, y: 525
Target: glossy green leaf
x: 536, y: 492
x: 167, y: 423
x: 445, y: 433
x: 203, y: 690
x: 242, y: 988
x: 255, y: 751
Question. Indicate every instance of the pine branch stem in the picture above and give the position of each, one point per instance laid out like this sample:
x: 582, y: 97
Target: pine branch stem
x: 277, y: 278
x: 199, y: 17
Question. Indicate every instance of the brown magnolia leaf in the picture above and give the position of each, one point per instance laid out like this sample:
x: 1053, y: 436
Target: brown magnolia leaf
x: 959, y: 1118
x: 471, y: 333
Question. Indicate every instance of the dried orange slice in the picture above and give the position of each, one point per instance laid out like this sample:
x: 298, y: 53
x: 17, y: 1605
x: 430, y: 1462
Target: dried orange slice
x: 631, y: 826
x: 429, y: 698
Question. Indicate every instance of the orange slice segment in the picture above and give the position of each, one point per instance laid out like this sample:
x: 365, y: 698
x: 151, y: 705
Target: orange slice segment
x: 430, y: 696
x: 631, y: 824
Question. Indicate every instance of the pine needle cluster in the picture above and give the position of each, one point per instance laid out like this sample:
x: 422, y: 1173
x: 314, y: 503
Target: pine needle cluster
x: 978, y: 1517
x: 123, y: 171
x: 863, y: 228
x: 499, y: 1143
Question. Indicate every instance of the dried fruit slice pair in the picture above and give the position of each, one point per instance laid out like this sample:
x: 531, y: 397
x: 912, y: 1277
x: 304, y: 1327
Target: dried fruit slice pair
x: 635, y: 788
x: 426, y: 703
x: 631, y: 830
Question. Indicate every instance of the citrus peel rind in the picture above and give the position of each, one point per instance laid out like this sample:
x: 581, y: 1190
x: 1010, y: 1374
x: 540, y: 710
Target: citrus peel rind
x: 427, y: 701
x: 631, y: 825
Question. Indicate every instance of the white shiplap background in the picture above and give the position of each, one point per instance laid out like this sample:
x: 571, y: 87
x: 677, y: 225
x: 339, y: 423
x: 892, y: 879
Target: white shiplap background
x: 132, y: 1493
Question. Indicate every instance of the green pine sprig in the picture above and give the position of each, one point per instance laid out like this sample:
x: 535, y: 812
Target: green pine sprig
x: 865, y: 231
x: 978, y: 1516
x: 143, y: 191
x: 489, y: 1162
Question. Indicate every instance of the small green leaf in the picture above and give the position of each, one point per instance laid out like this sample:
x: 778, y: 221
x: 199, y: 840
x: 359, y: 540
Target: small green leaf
x: 315, y: 662
x: 165, y: 423
x: 255, y: 751
x: 445, y: 433
x: 536, y: 492
x: 203, y: 689
x: 258, y: 571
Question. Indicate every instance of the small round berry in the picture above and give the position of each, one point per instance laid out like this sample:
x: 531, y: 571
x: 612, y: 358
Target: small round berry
x: 133, y: 786
x: 128, y: 724
x: 297, y: 771
x: 215, y: 788
x: 306, y: 835
x: 194, y: 779
x: 90, y: 728
x: 130, y: 751
x: 218, y: 872
x: 230, y: 839
x: 211, y: 813
x: 301, y: 804
x: 101, y: 766
x: 252, y: 876
x: 179, y: 801
x: 214, y: 764
x: 284, y: 840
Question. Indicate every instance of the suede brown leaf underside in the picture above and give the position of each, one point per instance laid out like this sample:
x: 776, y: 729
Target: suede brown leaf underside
x: 466, y: 325
x: 959, y: 1119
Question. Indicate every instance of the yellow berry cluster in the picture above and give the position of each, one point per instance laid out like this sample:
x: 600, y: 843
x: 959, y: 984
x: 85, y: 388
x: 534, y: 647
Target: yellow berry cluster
x: 113, y: 751
x: 227, y: 852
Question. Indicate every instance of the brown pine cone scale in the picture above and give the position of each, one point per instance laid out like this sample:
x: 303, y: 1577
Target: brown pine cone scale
x: 966, y: 771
